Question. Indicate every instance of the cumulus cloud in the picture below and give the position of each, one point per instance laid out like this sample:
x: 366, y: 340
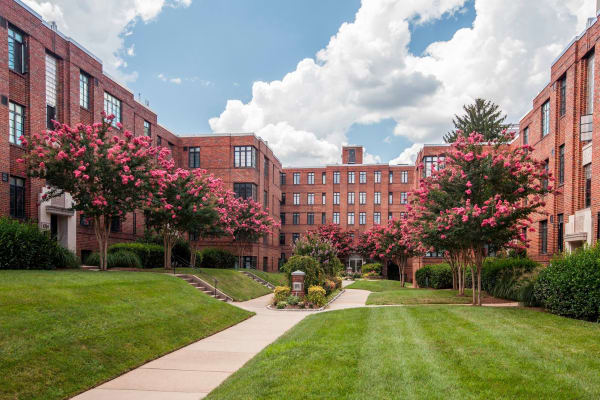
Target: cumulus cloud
x: 408, y: 155
x: 366, y: 74
x: 101, y: 26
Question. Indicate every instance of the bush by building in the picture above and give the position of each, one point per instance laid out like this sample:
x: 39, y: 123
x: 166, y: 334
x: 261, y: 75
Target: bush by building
x: 150, y: 255
x: 25, y: 246
x: 308, y: 265
x: 372, y: 268
x: 570, y: 285
x: 181, y: 248
x: 213, y: 257
x: 116, y: 259
x: 436, y: 276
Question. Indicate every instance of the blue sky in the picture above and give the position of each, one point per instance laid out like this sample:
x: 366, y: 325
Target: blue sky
x: 219, y: 48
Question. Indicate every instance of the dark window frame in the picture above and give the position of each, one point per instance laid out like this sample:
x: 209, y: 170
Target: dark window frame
x: 194, y: 157
x: 17, y: 197
x: 246, y: 190
x: 562, y: 95
x: 244, y: 157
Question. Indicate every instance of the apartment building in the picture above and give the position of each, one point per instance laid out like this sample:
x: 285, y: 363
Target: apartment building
x: 352, y: 194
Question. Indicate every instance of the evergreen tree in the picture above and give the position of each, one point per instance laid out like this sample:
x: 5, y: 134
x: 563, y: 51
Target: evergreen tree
x: 483, y: 116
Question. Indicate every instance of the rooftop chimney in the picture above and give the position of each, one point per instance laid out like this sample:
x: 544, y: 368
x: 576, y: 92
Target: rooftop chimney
x: 54, y: 27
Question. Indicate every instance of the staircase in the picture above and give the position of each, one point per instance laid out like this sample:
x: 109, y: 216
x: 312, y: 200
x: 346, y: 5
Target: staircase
x: 259, y: 280
x: 205, y: 287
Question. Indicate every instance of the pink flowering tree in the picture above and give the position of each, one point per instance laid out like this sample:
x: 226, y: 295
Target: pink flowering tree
x: 313, y: 245
x: 181, y: 201
x: 482, y: 199
x: 246, y: 221
x: 341, y: 240
x: 106, y: 173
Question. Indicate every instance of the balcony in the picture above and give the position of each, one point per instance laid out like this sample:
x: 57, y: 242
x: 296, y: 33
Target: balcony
x: 578, y: 230
x: 586, y: 127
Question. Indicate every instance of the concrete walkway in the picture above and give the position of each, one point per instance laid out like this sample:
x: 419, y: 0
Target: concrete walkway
x: 193, y: 371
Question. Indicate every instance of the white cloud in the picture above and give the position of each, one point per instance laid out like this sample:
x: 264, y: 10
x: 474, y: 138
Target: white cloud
x: 176, y: 81
x: 101, y: 26
x: 408, y: 155
x: 131, y: 50
x: 366, y: 74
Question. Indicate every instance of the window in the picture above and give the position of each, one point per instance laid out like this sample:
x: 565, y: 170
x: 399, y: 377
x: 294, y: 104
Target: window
x: 377, y: 218
x: 245, y: 190
x: 336, y: 218
x: 403, y: 214
x: 310, y: 218
x: 296, y: 218
x: 403, y: 198
x: 377, y: 176
x: 158, y: 141
x: 350, y: 197
x: 561, y: 164
x: 362, y: 218
x: 310, y: 198
x: 323, y: 218
x: 17, y: 59
x: 115, y: 224
x: 336, y: 198
x: 434, y: 254
x: 336, y: 177
x: 266, y: 167
x: 296, y: 178
x: 362, y: 198
x: 587, y: 174
x: 282, y: 218
x: 351, y: 177
x: 546, y: 118
x: 112, y: 106
x: 282, y: 239
x: 390, y: 198
x: 244, y: 157
x: 249, y: 262
x: 546, y: 168
x: 310, y: 178
x: 265, y: 200
x: 544, y: 237
x: 16, y: 123
x: 17, y: 197
x: 295, y: 237
x: 390, y: 216
x: 350, y: 218
x: 391, y: 177
x: 561, y: 231
x: 281, y: 179
x: 377, y: 198
x: 362, y: 177
x: 83, y: 220
x: 432, y: 163
x: 84, y: 90
x: 194, y: 157
x: 526, y: 135
x: 562, y: 84
x: 296, y: 199
x: 323, y: 198
x: 323, y: 178
x: 51, y: 90
x: 282, y: 199
x: 589, y: 86
x: 147, y: 128
x: 351, y: 156
x: 404, y: 176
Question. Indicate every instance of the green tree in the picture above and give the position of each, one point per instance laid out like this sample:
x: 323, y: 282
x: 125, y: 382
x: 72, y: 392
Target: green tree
x: 482, y: 116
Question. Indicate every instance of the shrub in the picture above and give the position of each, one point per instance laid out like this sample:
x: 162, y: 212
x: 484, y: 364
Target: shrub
x: 306, y: 264
x: 281, y: 293
x: 322, y: 250
x: 356, y: 275
x: 199, y: 257
x: 150, y: 255
x: 570, y: 285
x: 213, y: 257
x: 329, y: 286
x: 292, y: 300
x: 373, y: 267
x: 281, y: 305
x: 25, y: 246
x: 338, y: 282
x: 316, y: 295
x: 436, y: 276
x: 118, y: 259
x: 181, y: 248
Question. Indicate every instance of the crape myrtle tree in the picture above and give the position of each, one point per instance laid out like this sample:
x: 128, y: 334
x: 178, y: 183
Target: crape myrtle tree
x: 483, y: 196
x: 181, y: 201
x: 246, y: 221
x: 341, y: 240
x: 106, y: 174
x: 321, y: 249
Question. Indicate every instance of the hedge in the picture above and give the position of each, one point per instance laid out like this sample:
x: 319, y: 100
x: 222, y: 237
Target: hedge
x: 217, y: 258
x: 373, y: 267
x: 436, y: 276
x: 310, y: 266
x: 181, y: 248
x: 151, y: 255
x: 25, y: 246
x: 570, y: 285
x: 118, y: 259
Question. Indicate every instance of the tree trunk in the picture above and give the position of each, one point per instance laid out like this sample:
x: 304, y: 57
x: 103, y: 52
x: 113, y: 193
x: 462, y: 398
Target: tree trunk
x: 168, y: 243
x: 473, y: 285
x: 193, y: 248
x: 102, y: 231
x: 479, y: 264
x: 459, y: 283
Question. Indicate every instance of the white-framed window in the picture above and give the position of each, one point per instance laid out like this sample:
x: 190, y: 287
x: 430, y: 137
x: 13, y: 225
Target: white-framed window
x: 310, y: 198
x: 112, y: 105
x: 323, y: 198
x: 336, y: 218
x: 336, y: 177
x: 16, y: 123
x: 84, y: 90
x: 310, y: 178
x: 351, y: 177
x: 336, y: 198
x: 296, y: 199
x: 546, y: 118
x: 362, y: 177
x: 403, y: 198
x: 391, y: 177
x: 350, y: 197
x: 377, y: 218
x: 390, y: 198
x: 17, y: 59
x: 350, y: 218
x: 362, y: 198
x: 296, y: 178
x: 377, y: 198
x: 147, y: 128
x: 323, y: 178
x: 377, y: 176
x: 404, y: 176
x: 362, y: 218
x: 244, y: 157
x: 51, y: 89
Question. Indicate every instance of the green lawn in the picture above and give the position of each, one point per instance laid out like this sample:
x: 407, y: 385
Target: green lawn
x: 437, y: 352
x: 63, y: 332
x: 381, y: 285
x: 420, y: 296
x: 274, y: 278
